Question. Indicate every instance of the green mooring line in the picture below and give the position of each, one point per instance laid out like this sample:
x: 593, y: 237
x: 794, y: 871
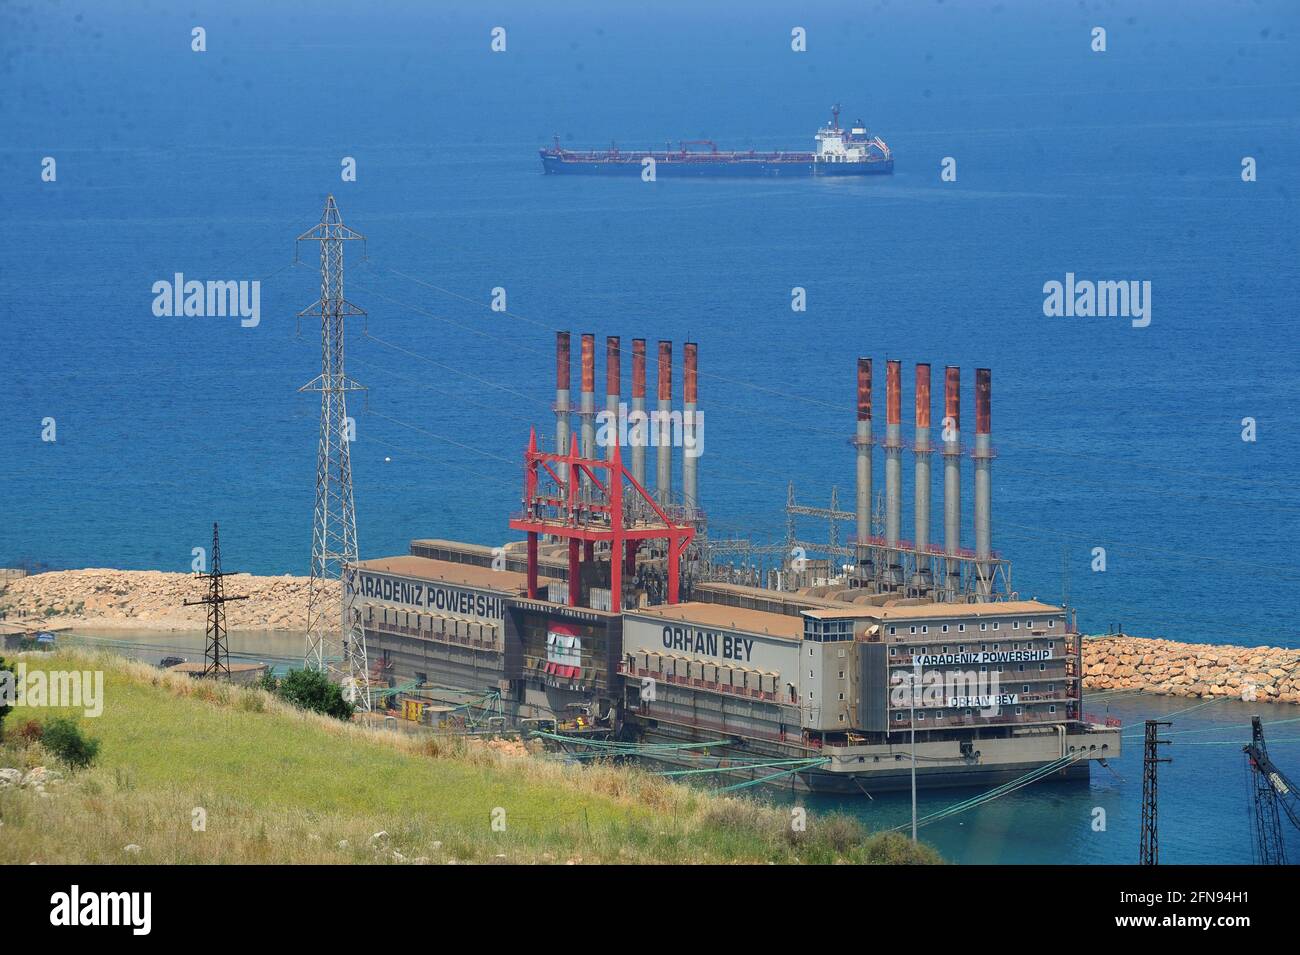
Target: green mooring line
x: 1005, y: 789
x: 615, y: 748
x: 799, y: 763
x: 808, y: 764
x: 628, y: 748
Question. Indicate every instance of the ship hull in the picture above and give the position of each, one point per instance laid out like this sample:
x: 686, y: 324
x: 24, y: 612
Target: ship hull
x: 871, y: 782
x: 737, y: 169
x: 738, y: 740
x: 868, y: 769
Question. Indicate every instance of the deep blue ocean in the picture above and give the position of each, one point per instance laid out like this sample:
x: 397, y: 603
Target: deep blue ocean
x: 1116, y: 165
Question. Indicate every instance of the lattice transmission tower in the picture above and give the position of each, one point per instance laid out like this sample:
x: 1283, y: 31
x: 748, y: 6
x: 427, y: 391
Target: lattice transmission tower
x: 1149, y: 850
x: 330, y: 616
x: 216, y: 654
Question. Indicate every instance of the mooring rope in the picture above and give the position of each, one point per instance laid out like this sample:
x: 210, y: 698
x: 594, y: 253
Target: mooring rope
x: 1005, y: 789
x: 798, y: 763
x: 1186, y: 709
x: 624, y: 747
x: 807, y: 764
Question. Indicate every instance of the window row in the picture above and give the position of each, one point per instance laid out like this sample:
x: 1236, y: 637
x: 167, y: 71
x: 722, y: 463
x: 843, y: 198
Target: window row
x: 984, y: 648
x: 900, y: 716
x: 961, y: 627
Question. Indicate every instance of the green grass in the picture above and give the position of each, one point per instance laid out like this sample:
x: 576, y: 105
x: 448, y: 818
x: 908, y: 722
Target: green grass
x: 279, y: 785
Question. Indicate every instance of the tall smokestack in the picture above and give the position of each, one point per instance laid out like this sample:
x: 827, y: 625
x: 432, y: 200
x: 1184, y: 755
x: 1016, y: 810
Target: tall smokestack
x: 613, y: 386
x: 664, y: 435
x: 952, y: 476
x: 863, y: 441
x: 921, y: 493
x: 563, y: 366
x: 893, y: 464
x: 587, y: 408
x: 690, y: 389
x: 640, y: 431
x: 983, y: 455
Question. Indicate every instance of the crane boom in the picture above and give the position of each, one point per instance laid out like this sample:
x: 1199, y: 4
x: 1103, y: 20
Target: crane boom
x: 1271, y: 791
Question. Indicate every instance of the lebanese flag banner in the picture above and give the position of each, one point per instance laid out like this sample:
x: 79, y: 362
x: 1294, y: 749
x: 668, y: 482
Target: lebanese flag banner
x: 563, y: 651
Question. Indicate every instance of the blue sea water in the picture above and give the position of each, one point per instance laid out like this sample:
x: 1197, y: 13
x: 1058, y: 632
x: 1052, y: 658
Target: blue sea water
x: 1117, y: 165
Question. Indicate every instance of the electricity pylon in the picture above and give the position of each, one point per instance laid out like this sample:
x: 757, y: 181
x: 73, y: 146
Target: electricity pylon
x: 1149, y: 851
x: 216, y: 655
x: 334, y: 526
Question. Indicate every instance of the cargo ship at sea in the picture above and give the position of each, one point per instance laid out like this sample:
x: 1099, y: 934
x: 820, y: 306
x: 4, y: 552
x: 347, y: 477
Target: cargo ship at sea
x: 613, y: 624
x: 839, y: 152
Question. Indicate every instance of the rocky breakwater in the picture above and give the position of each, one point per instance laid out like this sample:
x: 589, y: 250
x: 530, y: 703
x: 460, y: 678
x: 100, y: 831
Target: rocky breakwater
x: 1166, y: 667
x: 152, y: 600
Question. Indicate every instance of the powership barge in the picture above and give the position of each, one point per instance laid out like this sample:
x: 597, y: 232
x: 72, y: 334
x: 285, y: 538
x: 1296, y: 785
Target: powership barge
x: 614, y: 619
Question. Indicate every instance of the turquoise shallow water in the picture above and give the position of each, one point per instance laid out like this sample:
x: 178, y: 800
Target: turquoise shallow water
x: 1203, y: 792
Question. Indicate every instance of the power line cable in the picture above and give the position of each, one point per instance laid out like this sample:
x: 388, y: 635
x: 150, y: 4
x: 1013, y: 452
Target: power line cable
x: 441, y: 437
x: 483, y: 381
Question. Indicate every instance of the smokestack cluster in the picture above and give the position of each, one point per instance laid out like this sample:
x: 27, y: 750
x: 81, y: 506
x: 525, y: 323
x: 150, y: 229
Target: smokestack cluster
x: 661, y: 426
x: 923, y: 447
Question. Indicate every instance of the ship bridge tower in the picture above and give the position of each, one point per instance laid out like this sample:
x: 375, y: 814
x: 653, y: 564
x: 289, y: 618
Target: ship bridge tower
x: 830, y: 139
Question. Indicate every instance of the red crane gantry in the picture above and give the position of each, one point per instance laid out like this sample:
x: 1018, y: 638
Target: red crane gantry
x: 601, y: 518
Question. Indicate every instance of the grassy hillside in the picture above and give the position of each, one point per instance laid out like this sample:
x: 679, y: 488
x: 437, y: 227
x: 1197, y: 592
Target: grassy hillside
x: 279, y: 785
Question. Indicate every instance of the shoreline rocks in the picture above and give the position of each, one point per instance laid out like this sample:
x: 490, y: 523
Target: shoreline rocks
x: 1170, y: 668
x: 152, y: 600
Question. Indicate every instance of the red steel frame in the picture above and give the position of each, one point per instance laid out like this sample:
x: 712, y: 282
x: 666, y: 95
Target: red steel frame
x: 567, y: 523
